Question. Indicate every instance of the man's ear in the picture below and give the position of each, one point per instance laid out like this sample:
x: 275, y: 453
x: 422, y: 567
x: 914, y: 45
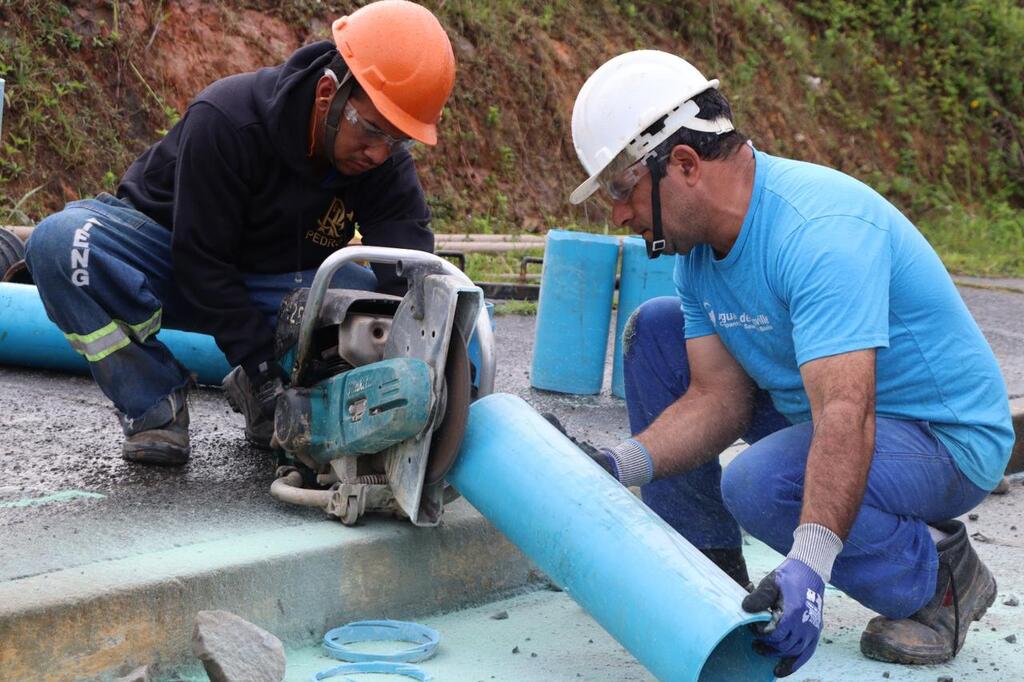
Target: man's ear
x: 685, y: 159
x: 325, y: 89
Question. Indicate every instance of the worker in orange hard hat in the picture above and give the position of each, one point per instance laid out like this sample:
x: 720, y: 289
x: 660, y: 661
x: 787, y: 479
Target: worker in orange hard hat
x: 266, y: 175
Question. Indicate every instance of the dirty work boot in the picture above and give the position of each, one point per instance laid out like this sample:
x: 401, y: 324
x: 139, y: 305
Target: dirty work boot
x: 162, y: 445
x: 255, y: 403
x: 964, y: 590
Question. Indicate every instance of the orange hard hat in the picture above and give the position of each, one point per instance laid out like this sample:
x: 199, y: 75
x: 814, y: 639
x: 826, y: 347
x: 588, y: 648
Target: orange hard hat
x: 402, y: 58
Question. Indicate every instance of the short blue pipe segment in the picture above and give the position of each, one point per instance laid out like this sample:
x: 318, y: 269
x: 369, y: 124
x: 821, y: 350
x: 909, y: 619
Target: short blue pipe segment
x: 29, y: 338
x: 663, y: 600
x: 642, y: 279
x: 574, y: 312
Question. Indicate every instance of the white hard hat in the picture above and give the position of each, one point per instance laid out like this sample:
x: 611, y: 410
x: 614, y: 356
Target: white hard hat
x: 623, y: 98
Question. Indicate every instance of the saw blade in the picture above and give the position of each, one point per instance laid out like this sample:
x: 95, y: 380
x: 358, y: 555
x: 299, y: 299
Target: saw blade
x: 447, y: 438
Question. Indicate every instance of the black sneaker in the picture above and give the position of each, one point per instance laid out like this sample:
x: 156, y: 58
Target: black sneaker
x: 964, y: 589
x: 166, y: 445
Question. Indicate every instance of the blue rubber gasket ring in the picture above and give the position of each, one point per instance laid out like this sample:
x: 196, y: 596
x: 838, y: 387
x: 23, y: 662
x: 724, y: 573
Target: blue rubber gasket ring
x: 385, y: 667
x: 426, y: 640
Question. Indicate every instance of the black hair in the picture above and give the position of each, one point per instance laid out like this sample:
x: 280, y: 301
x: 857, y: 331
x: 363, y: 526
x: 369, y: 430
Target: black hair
x: 709, y: 146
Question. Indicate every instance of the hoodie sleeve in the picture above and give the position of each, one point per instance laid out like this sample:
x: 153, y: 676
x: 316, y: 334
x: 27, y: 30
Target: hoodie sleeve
x: 212, y: 183
x: 393, y: 212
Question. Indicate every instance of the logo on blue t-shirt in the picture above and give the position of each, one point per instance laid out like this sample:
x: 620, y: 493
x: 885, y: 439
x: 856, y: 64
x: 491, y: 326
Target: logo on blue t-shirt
x: 752, y: 322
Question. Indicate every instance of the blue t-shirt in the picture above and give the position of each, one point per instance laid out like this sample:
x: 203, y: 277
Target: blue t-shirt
x: 824, y: 265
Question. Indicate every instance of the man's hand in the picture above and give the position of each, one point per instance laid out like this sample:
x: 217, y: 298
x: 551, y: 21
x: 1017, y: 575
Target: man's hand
x: 794, y: 593
x: 267, y: 386
x: 629, y: 463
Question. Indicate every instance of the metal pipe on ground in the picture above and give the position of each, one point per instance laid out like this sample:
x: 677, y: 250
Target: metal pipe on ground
x: 486, y: 247
x: 29, y: 338
x: 289, y: 489
x: 526, y: 238
x: 663, y: 600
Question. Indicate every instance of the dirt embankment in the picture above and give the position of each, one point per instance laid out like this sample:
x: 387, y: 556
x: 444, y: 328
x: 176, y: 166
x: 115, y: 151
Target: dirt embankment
x: 91, y: 83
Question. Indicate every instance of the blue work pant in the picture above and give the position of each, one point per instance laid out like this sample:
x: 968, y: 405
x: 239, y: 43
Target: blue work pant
x: 888, y: 562
x: 104, y: 273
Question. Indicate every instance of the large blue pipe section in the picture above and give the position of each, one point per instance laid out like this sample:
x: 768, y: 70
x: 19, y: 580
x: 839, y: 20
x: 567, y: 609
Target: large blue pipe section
x: 642, y: 279
x: 28, y: 337
x: 574, y: 312
x: 673, y: 609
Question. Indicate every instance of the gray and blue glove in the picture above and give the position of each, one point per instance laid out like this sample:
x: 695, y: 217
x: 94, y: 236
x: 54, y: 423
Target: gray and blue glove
x: 628, y: 462
x: 794, y: 592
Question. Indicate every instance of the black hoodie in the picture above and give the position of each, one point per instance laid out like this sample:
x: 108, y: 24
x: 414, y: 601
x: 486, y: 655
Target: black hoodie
x: 233, y: 183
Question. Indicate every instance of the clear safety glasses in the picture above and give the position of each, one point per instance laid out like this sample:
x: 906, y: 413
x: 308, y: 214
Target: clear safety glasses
x: 371, y: 134
x: 620, y: 185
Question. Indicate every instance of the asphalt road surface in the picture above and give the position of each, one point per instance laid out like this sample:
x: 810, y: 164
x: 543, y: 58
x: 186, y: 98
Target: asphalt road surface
x: 68, y: 499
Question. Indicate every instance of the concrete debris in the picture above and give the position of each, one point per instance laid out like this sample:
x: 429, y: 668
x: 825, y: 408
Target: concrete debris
x: 515, y: 650
x: 500, y: 615
x: 234, y: 650
x: 972, y: 517
x: 533, y: 654
x: 945, y: 678
x: 885, y: 675
x: 1012, y: 601
x: 1012, y: 639
x: 981, y: 537
x: 140, y: 674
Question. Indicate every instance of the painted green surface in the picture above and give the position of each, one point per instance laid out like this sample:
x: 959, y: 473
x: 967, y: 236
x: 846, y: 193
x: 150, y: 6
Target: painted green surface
x: 62, y: 496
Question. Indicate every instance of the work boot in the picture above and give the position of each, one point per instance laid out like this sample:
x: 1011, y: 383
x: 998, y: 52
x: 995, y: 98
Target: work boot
x: 964, y: 589
x: 162, y: 445
x: 242, y: 398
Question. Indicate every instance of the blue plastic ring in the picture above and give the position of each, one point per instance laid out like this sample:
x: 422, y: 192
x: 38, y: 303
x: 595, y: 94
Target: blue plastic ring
x: 426, y: 640
x: 374, y: 667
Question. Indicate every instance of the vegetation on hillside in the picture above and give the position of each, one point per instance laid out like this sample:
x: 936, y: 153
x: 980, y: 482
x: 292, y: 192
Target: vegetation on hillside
x: 923, y: 100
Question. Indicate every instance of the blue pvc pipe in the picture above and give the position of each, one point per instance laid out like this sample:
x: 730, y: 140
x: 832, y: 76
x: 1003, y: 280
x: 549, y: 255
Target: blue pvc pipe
x: 29, y: 338
x: 574, y: 312
x: 663, y: 600
x: 642, y: 279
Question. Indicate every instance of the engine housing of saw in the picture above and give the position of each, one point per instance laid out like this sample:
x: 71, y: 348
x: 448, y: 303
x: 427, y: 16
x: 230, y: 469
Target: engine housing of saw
x: 378, y: 415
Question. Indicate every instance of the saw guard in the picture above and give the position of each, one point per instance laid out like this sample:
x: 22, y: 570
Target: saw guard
x: 425, y: 334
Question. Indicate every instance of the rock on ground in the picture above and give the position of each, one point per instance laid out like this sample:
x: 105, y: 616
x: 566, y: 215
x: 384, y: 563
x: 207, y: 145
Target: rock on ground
x: 234, y: 650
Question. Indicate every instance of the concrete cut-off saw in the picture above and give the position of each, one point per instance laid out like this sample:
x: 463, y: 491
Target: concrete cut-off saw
x: 380, y: 387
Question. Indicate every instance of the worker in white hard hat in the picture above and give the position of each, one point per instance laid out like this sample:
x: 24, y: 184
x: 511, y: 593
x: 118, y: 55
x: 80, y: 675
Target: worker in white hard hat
x: 814, y: 321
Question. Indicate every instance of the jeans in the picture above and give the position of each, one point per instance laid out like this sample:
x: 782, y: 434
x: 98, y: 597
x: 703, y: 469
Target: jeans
x: 104, y: 273
x: 889, y: 560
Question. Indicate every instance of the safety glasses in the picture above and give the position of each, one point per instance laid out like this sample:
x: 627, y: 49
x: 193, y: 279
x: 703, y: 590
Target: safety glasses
x: 619, y: 186
x: 371, y: 134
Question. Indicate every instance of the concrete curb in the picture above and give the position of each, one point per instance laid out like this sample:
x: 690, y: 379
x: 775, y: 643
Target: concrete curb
x: 101, y: 620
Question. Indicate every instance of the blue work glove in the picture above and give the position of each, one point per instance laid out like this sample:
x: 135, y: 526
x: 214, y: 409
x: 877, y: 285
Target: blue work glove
x: 794, y: 593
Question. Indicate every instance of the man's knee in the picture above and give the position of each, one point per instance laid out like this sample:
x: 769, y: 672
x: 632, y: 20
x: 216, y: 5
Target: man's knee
x: 750, y: 489
x: 59, y: 246
x: 655, y: 315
